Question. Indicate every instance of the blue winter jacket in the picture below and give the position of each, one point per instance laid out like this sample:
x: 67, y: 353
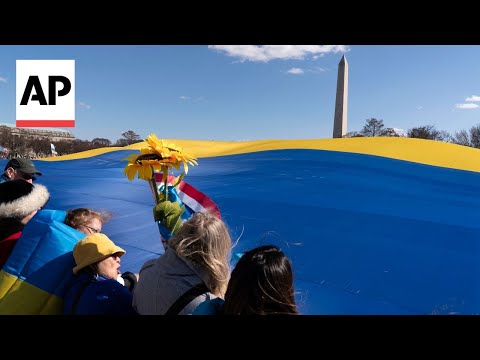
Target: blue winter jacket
x: 100, y: 296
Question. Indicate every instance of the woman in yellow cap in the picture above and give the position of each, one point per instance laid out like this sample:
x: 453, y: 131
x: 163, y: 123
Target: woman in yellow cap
x: 96, y: 290
x: 89, y: 222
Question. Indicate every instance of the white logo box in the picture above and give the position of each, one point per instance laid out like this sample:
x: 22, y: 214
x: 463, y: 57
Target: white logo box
x: 43, y: 85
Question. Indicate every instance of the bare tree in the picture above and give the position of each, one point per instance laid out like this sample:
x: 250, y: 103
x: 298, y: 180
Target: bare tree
x: 131, y: 137
x: 40, y: 146
x: 81, y: 145
x: 475, y: 136
x: 64, y: 147
x: 461, y: 138
x: 468, y: 138
x: 101, y: 142
x: 15, y: 143
x: 428, y: 132
x: 373, y: 127
x: 354, y: 134
x: 121, y: 142
x: 390, y: 132
x: 5, y: 133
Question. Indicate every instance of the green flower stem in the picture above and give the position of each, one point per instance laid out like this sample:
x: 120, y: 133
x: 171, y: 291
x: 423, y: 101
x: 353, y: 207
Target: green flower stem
x: 165, y: 182
x: 155, y: 189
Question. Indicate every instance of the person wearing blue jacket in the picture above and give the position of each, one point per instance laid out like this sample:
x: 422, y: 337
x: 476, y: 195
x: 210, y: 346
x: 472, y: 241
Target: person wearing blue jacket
x: 95, y: 290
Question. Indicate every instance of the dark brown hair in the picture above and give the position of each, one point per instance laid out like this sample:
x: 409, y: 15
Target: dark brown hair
x: 261, y: 284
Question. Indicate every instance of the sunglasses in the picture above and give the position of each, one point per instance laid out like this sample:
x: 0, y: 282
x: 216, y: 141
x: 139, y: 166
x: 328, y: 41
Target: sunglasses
x: 92, y: 230
x: 26, y: 176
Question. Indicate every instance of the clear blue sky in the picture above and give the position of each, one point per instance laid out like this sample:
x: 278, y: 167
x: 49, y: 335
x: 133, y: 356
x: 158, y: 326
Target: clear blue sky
x: 257, y: 92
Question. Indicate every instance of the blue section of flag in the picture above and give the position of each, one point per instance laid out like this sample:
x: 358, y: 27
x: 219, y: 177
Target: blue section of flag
x: 43, y: 254
x: 366, y: 234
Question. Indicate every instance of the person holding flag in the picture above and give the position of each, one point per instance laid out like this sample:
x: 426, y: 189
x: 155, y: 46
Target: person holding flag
x: 54, y: 151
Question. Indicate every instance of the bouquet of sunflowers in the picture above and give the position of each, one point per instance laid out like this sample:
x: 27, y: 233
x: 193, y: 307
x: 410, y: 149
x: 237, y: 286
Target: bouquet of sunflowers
x: 159, y: 156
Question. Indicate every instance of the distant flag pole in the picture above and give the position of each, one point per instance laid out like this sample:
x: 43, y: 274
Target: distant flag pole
x: 54, y: 151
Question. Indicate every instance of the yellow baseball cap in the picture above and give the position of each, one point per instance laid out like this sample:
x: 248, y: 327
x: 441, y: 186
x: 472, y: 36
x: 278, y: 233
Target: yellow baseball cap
x: 93, y: 249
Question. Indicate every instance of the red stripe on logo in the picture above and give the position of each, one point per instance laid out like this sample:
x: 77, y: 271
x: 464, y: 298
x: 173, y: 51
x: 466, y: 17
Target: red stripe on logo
x: 45, y: 123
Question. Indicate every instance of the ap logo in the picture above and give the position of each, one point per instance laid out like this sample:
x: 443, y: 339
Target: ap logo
x: 45, y: 93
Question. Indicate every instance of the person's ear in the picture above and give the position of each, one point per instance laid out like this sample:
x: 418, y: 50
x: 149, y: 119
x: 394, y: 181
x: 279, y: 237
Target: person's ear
x: 10, y: 172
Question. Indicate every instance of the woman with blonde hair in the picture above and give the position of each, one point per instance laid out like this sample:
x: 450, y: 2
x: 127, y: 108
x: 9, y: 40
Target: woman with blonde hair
x: 194, y: 268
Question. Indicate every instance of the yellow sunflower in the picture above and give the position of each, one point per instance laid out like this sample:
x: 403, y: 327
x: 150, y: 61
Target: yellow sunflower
x: 159, y: 144
x: 186, y: 159
x: 161, y: 156
x: 134, y: 166
x: 157, y: 155
x: 144, y: 165
x: 171, y: 151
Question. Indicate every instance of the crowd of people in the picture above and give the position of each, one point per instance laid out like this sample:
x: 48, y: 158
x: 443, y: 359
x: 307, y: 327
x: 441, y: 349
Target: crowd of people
x: 193, y: 276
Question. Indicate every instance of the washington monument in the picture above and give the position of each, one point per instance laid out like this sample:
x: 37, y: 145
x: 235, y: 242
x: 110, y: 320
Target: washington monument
x: 341, y: 101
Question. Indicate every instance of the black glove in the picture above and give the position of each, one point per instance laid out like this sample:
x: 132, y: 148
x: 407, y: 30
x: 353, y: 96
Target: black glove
x: 130, y: 280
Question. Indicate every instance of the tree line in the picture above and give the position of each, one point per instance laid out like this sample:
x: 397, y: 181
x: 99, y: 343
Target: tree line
x: 37, y: 147
x: 30, y: 146
x: 375, y: 127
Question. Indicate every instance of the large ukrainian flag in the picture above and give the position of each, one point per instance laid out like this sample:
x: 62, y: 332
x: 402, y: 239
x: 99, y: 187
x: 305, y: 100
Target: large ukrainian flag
x: 372, y: 225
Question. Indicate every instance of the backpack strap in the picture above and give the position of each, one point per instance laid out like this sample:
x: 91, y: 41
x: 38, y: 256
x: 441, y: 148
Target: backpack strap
x: 186, y: 298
